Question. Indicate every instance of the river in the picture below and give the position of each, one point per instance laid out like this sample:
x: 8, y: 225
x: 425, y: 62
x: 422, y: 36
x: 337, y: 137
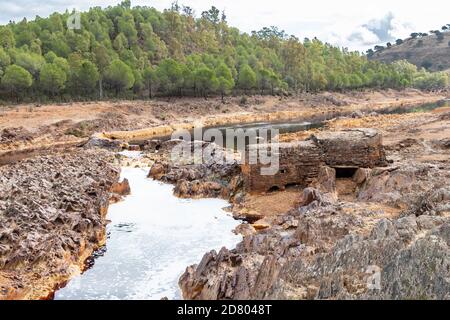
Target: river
x: 153, y: 236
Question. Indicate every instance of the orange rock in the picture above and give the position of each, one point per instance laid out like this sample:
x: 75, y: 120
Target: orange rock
x: 122, y: 188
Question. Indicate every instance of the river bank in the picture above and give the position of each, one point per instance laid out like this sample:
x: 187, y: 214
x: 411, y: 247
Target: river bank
x: 30, y: 129
x: 53, y: 217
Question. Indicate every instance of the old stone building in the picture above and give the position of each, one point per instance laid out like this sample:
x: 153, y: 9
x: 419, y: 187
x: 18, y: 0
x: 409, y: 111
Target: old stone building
x: 300, y: 162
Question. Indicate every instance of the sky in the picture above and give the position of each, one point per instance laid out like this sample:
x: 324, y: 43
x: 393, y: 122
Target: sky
x: 356, y: 24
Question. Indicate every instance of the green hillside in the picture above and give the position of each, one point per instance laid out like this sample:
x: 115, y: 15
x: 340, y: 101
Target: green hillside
x: 135, y: 52
x: 428, y: 50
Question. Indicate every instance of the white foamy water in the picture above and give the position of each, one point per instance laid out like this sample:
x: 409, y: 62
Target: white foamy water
x: 131, y: 154
x: 153, y: 237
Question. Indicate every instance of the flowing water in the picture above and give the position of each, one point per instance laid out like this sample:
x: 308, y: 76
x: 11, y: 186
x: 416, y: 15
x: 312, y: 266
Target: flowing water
x: 153, y: 236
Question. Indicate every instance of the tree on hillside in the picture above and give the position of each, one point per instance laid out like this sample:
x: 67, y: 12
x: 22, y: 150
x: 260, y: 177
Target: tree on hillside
x: 85, y: 77
x: 121, y: 42
x: 370, y: 53
x: 247, y: 78
x: 63, y: 64
x: 225, y: 80
x: 52, y: 79
x: 7, y: 39
x: 102, y: 59
x: 275, y: 82
x: 433, y: 81
x: 16, y: 79
x: 263, y: 79
x: 50, y: 57
x: 170, y: 75
x: 212, y: 15
x: 151, y: 80
x: 119, y: 76
x: 205, y: 80
x: 31, y: 62
x: 5, y: 60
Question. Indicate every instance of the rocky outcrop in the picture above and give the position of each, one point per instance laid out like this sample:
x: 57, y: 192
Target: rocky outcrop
x: 217, y: 176
x: 10, y: 135
x: 119, y: 190
x: 394, y: 262
x: 329, y: 257
x: 400, y: 185
x: 334, y: 249
x: 97, y: 141
x: 388, y: 240
x: 52, y: 217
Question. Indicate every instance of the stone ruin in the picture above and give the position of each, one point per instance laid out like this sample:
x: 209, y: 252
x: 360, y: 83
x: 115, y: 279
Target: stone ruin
x: 299, y: 162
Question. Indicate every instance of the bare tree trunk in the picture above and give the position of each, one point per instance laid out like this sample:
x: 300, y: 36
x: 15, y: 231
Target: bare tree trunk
x: 100, y: 88
x: 149, y: 89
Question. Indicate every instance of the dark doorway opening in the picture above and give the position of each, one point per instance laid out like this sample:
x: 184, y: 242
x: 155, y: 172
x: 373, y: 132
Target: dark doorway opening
x: 274, y: 189
x: 345, y: 172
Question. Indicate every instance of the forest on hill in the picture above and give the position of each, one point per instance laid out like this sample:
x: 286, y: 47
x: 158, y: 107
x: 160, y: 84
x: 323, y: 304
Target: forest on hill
x: 136, y: 52
x: 429, y: 50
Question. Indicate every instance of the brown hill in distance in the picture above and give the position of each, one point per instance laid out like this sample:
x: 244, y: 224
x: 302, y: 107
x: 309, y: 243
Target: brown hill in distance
x: 431, y: 51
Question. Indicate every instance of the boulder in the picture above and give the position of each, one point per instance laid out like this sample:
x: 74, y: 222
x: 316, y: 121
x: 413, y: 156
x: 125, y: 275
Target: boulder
x: 361, y: 175
x: 157, y: 171
x: 121, y: 188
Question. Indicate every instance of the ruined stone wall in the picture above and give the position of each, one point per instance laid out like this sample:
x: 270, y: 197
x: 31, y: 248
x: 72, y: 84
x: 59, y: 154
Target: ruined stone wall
x: 361, y: 148
x: 299, y: 164
x: 300, y: 161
